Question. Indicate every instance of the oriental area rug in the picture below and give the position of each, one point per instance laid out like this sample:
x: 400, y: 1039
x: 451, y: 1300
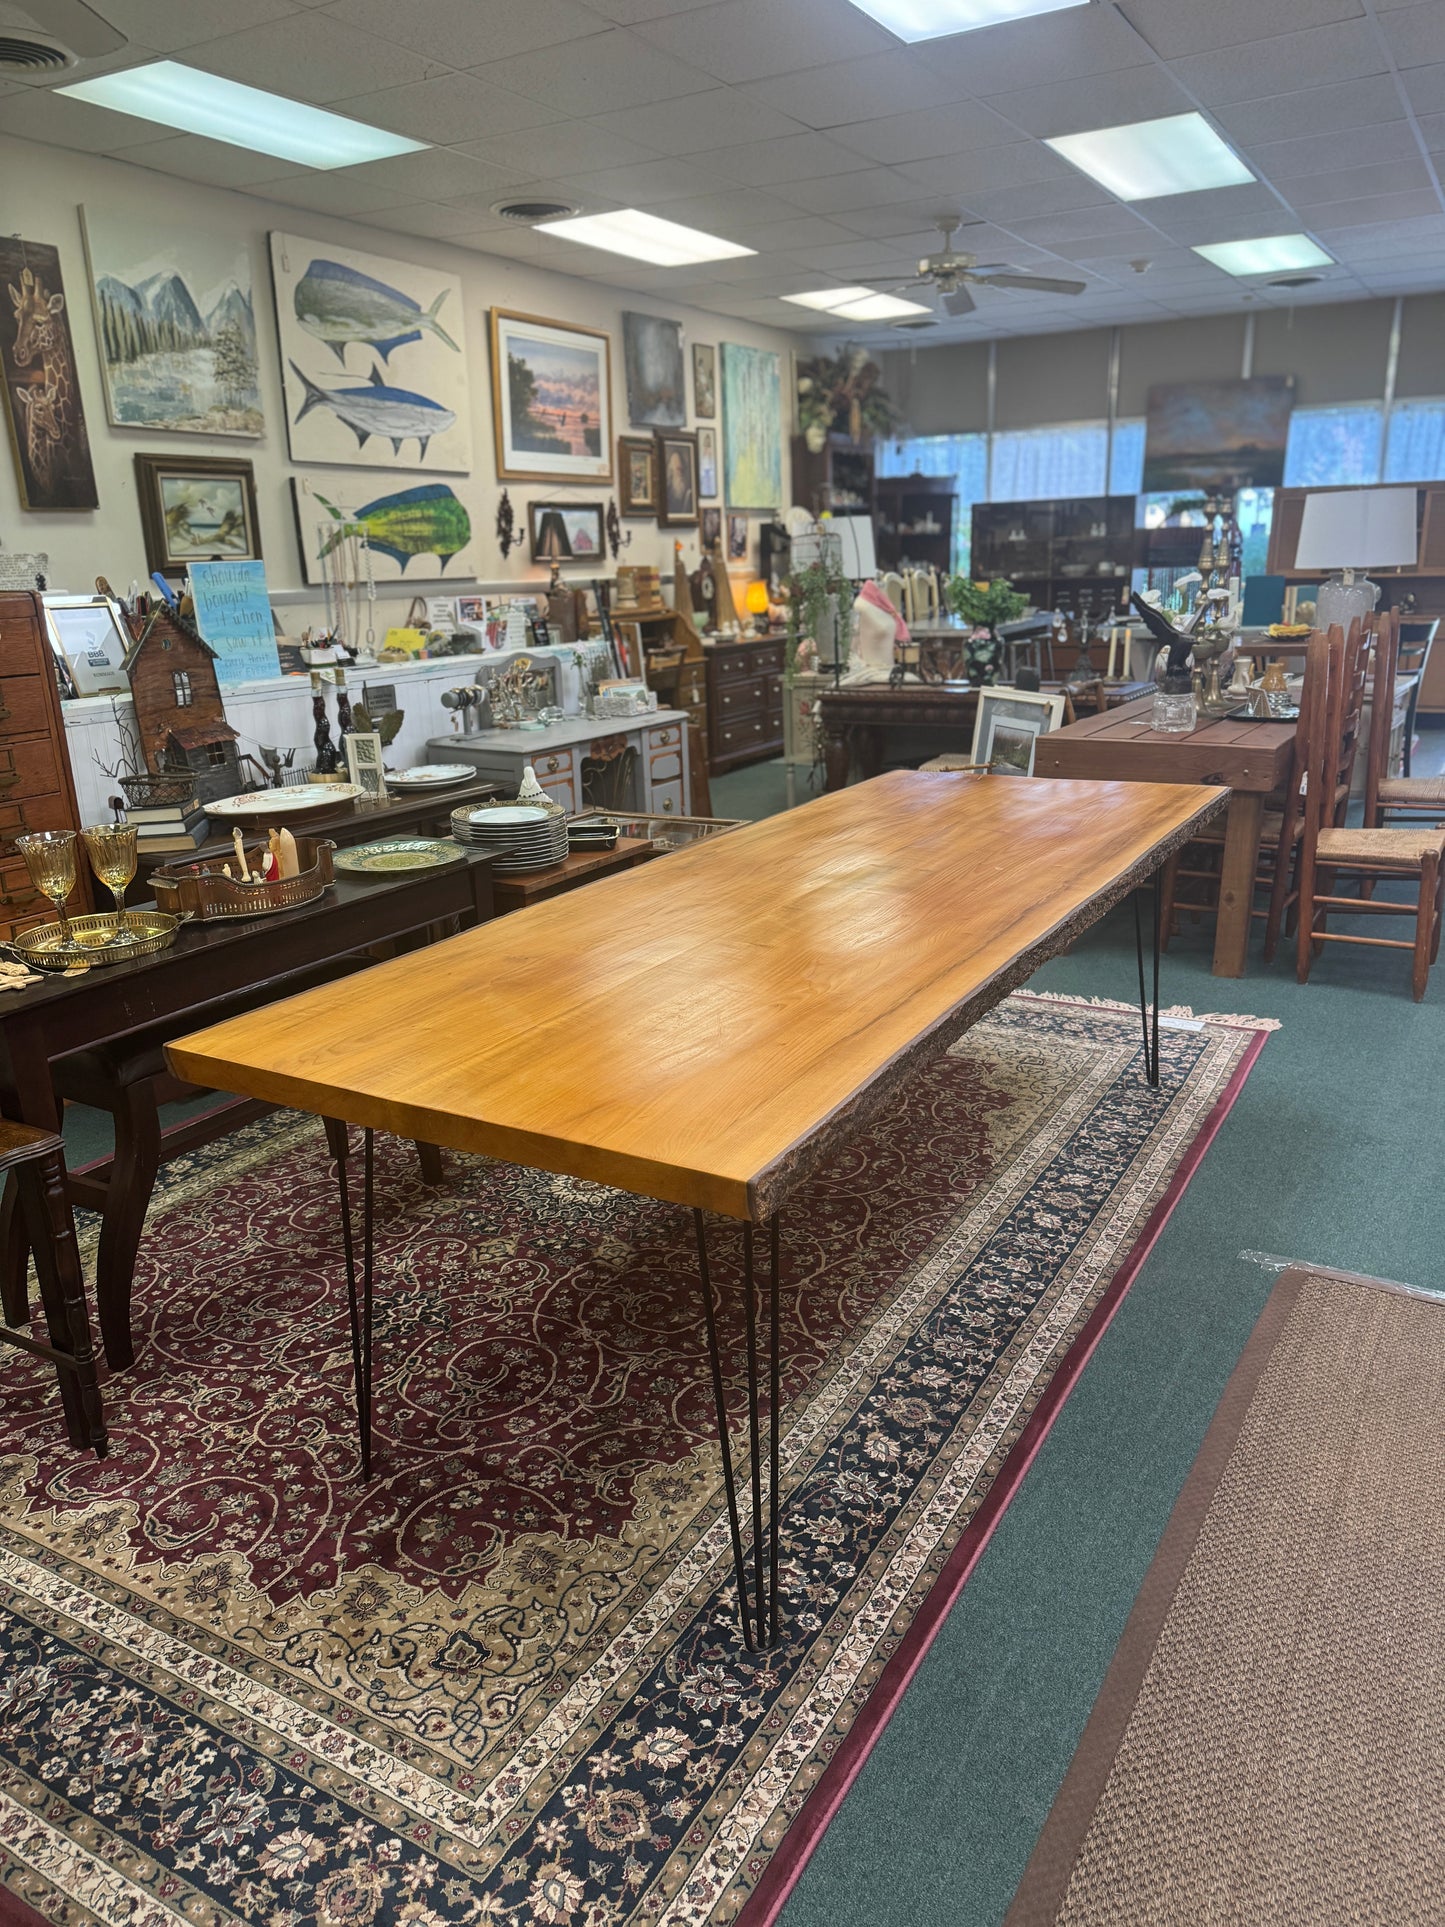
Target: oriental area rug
x: 503, y: 1681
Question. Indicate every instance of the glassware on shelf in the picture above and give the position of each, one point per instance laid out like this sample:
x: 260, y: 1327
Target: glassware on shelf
x: 112, y: 857
x: 50, y: 858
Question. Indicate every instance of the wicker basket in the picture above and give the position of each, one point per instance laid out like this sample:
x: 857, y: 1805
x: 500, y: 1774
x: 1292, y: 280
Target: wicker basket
x: 201, y: 891
x: 154, y: 791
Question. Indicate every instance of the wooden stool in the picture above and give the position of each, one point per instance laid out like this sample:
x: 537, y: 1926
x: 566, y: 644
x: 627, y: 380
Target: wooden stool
x: 37, y: 1160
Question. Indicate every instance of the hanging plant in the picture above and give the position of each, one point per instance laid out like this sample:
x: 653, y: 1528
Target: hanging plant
x: 841, y: 393
x: 984, y: 605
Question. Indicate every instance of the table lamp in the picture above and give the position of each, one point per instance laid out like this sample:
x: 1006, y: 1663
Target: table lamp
x: 757, y: 606
x: 1350, y: 530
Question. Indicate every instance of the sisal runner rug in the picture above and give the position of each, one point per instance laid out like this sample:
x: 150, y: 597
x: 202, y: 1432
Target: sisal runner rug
x: 503, y: 1681
x: 1269, y: 1742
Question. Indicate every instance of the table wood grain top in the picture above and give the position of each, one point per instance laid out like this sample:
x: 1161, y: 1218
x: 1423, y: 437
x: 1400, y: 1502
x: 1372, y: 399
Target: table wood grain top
x: 704, y: 1028
x: 1122, y: 746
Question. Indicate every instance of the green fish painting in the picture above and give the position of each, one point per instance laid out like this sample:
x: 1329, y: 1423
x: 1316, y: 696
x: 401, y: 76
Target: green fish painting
x: 427, y: 520
x: 340, y: 305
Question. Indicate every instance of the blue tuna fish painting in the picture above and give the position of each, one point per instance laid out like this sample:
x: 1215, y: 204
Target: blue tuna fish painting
x: 394, y: 414
x: 340, y: 305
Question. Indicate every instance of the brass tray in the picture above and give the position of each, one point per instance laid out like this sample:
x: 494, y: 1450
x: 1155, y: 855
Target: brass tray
x: 92, y: 939
x: 199, y: 888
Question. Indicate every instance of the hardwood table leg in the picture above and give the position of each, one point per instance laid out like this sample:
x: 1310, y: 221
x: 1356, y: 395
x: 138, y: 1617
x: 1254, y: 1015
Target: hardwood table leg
x: 62, y: 1288
x: 867, y: 745
x: 132, y: 1179
x: 1236, y: 881
x: 28, y: 1097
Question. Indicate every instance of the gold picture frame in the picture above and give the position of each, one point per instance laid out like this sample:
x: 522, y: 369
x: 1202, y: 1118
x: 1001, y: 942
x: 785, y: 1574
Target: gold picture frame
x: 552, y: 415
x: 637, y: 471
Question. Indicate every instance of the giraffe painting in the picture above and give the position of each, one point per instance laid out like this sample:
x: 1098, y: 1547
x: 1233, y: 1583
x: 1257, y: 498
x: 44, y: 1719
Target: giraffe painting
x: 37, y: 363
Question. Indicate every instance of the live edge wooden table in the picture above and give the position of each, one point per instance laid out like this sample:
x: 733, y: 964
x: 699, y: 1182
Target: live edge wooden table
x: 1250, y: 759
x: 707, y: 1030
x: 208, y: 964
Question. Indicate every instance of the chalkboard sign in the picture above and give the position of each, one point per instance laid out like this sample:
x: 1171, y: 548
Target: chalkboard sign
x: 233, y: 614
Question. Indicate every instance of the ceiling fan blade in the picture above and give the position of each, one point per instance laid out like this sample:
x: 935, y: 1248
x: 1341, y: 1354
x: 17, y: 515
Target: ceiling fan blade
x: 959, y: 302
x: 79, y: 26
x: 1039, y: 283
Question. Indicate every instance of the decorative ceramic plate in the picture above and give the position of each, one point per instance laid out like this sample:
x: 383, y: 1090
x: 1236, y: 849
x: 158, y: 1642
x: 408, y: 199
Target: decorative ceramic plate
x: 431, y: 776
x: 282, y: 802
x: 509, y: 816
x: 398, y: 856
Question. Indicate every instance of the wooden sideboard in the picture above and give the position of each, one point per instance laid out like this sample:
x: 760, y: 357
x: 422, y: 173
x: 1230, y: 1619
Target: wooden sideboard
x: 744, y: 701
x: 36, y: 788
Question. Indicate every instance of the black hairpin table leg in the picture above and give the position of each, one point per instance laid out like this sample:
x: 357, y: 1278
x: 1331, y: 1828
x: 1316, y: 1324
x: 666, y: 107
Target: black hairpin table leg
x: 1149, y: 1015
x: 359, y: 1313
x: 758, y: 1595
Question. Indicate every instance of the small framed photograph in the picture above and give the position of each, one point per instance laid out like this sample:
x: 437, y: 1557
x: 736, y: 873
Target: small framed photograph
x: 1008, y: 726
x: 566, y: 531
x: 471, y: 608
x: 707, y: 463
x: 196, y: 508
x: 637, y: 466
x: 364, y: 764
x: 710, y: 528
x: 89, y: 639
x: 737, y: 538
x: 677, y: 477
x: 704, y: 383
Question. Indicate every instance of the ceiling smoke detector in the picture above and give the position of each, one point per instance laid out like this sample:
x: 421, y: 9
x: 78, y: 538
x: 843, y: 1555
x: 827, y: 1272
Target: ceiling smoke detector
x: 25, y: 47
x: 529, y: 213
x: 1296, y: 280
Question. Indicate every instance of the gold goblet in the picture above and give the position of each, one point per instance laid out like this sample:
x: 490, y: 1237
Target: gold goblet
x: 112, y: 857
x: 50, y: 858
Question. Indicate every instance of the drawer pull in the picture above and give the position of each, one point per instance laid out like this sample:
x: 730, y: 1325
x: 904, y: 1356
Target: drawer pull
x: 9, y: 778
x: 666, y: 804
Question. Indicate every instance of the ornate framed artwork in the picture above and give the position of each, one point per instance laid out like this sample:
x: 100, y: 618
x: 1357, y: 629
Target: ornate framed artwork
x: 37, y: 371
x: 637, y: 472
x: 566, y: 532
x: 196, y: 508
x: 710, y: 528
x: 677, y: 478
x: 656, y: 381
x: 704, y: 381
x: 551, y: 400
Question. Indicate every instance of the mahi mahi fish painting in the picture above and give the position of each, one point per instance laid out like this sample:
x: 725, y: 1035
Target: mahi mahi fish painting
x: 410, y: 526
x: 395, y: 329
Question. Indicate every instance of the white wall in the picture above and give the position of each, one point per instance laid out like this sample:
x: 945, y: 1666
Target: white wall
x: 44, y: 188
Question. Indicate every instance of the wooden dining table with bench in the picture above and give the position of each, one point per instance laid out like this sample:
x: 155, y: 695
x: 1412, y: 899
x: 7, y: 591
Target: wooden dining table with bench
x: 683, y: 1033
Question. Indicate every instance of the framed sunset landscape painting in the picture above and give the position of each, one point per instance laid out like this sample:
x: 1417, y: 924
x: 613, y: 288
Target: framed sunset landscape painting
x: 551, y: 400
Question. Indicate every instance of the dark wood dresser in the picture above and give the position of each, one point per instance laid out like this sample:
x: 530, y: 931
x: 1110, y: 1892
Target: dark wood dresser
x: 744, y: 701
x: 37, y: 791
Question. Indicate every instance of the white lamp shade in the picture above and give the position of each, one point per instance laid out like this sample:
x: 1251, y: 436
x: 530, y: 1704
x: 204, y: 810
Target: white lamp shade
x: 1358, y: 528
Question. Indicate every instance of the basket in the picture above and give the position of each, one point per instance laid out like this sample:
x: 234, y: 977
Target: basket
x: 154, y: 791
x: 201, y: 891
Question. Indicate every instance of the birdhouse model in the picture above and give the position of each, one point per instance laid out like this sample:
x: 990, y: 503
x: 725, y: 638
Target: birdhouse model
x: 180, y: 717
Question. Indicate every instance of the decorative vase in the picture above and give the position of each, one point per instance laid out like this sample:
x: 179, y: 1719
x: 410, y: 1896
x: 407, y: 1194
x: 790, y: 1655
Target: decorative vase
x: 816, y: 436
x: 982, y: 655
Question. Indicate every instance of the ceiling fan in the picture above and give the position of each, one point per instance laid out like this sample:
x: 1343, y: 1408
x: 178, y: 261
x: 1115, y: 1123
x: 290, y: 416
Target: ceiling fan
x: 947, y: 276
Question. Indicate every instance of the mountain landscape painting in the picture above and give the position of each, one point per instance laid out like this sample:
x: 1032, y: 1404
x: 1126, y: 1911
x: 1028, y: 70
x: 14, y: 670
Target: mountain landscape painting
x: 176, y: 325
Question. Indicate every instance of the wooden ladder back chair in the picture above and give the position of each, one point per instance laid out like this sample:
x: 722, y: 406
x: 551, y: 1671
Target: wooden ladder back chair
x: 1369, y: 855
x: 1404, y: 799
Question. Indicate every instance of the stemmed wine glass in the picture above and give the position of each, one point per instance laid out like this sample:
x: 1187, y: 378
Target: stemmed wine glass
x: 113, y: 858
x: 50, y: 858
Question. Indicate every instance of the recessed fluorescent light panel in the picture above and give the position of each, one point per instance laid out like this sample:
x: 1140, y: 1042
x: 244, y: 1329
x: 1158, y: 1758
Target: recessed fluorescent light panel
x: 1181, y: 154
x: 643, y: 237
x: 930, y: 19
x: 224, y: 110
x: 857, y: 304
x: 1274, y: 254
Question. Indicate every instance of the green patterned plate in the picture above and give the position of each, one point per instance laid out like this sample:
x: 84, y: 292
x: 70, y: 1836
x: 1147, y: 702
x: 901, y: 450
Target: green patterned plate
x: 398, y: 856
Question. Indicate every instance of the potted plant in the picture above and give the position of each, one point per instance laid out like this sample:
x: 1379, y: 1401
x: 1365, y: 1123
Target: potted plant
x: 818, y: 601
x: 841, y: 393
x: 983, y: 605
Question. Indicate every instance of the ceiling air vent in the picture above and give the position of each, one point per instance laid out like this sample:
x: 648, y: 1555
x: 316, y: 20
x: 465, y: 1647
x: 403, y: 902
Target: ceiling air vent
x: 924, y: 321
x: 24, y: 50
x: 529, y: 213
x: 1296, y: 280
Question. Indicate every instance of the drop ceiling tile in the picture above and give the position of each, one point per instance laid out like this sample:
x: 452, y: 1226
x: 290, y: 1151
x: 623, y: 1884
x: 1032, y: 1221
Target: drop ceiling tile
x: 1077, y: 233
x: 954, y: 129
x: 750, y: 39
x: 565, y: 147
x: 613, y: 68
x: 513, y: 244
x: 797, y: 157
x: 1175, y: 28
x: 1347, y: 51
x: 1218, y: 214
x: 168, y: 28
x: 1107, y: 100
x: 845, y: 194
x: 1285, y: 162
x: 700, y: 123
x: 33, y: 114
x: 1373, y: 208
x: 307, y: 56
x: 1416, y: 35
x: 1354, y: 183
x: 438, y: 174
x: 628, y: 12
x: 1079, y: 42
x: 734, y: 213
x: 799, y: 231
x: 435, y: 219
x: 339, y: 193
x: 855, y: 90
x: 1425, y: 87
x: 193, y: 158
x: 465, y: 33
x: 645, y: 183
x: 1294, y: 113
x: 857, y: 257
x: 1432, y: 131
x: 1006, y: 204
x: 1019, y: 164
x: 897, y: 223
x: 458, y: 107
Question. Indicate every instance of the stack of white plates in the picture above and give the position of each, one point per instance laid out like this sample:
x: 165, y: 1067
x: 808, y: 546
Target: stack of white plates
x: 518, y: 835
